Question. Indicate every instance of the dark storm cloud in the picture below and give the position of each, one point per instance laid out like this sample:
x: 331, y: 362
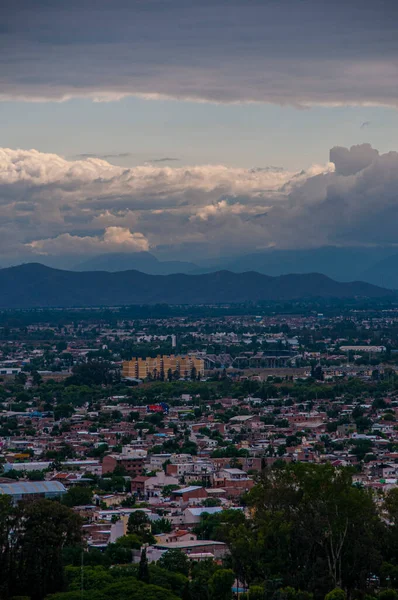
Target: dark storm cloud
x: 286, y: 51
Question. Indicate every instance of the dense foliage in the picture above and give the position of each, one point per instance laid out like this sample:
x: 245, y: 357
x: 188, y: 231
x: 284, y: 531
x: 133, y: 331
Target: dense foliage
x: 32, y: 539
x: 309, y: 529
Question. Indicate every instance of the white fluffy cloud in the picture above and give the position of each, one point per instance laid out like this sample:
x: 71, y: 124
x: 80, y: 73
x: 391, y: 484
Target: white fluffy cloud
x: 52, y: 206
x: 115, y: 239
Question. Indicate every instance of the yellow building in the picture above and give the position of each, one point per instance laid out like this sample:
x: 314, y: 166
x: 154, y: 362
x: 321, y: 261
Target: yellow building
x: 161, y: 367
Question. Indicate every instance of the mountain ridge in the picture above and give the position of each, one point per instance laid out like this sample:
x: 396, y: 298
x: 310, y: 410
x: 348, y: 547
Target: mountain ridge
x: 34, y: 285
x: 138, y: 261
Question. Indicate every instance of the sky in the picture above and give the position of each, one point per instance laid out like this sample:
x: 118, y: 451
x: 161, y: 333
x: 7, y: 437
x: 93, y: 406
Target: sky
x: 196, y: 128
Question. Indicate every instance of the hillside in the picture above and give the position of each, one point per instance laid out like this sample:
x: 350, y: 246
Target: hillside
x: 139, y: 261
x: 34, y: 285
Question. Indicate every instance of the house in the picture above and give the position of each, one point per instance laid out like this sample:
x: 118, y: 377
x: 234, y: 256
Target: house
x: 193, y: 494
x: 131, y: 460
x: 153, y: 486
x: 234, y: 481
x: 138, y: 484
x: 179, y: 535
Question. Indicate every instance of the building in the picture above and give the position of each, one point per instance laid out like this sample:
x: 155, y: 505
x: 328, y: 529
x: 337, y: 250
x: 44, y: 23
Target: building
x: 234, y: 481
x: 193, y: 515
x: 214, y: 550
x: 163, y: 366
x: 32, y: 490
x: 370, y: 349
x: 131, y: 460
x: 193, y: 494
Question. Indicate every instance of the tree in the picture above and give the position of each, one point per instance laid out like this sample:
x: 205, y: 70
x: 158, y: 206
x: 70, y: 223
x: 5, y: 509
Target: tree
x: 35, y: 475
x: 201, y: 573
x: 143, y: 570
x: 361, y: 447
x: 45, y: 528
x: 78, y: 496
x: 289, y: 593
x: 36, y: 378
x: 123, y: 588
x: 174, y: 560
x: 384, y: 595
x: 256, y: 592
x: 161, y: 526
x: 130, y: 541
x: 186, y: 592
x: 138, y: 522
x: 167, y: 489
x: 61, y: 346
x: 21, y: 378
x: 211, y: 502
x: 336, y: 594
x: 220, y: 584
x: 94, y: 372
x: 311, y: 528
x: 7, y: 541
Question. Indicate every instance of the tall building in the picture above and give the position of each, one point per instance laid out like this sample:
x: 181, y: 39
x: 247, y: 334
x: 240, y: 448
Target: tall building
x: 161, y: 366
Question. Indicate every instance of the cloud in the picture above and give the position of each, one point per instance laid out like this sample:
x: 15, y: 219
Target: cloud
x: 165, y: 159
x: 114, y: 239
x: 349, y: 162
x: 297, y: 53
x: 103, y: 156
x: 52, y: 206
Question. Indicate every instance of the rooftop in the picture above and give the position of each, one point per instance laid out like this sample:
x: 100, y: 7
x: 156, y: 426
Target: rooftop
x: 188, y: 489
x: 30, y: 487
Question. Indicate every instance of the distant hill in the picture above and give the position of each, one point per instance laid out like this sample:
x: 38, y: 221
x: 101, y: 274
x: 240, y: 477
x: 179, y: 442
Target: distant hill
x: 34, y: 285
x: 384, y: 272
x: 342, y: 264
x: 139, y: 261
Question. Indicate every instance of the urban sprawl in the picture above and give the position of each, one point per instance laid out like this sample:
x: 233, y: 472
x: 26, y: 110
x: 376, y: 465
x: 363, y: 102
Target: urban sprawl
x: 173, y: 443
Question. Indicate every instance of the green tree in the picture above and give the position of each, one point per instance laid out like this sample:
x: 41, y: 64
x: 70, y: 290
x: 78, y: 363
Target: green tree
x: 7, y: 545
x: 256, y: 592
x: 336, y: 594
x: 78, y: 496
x: 384, y: 595
x: 35, y: 475
x: 311, y: 527
x: 45, y: 529
x: 143, y: 570
x: 130, y: 541
x: 174, y: 560
x: 161, y: 526
x: 138, y: 522
x: 36, y: 378
x: 220, y: 584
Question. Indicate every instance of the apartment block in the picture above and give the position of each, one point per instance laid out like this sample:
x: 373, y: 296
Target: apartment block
x: 163, y: 366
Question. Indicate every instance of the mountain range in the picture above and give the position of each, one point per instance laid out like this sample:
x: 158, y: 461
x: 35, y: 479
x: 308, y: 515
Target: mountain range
x: 139, y: 261
x: 377, y: 265
x: 35, y: 285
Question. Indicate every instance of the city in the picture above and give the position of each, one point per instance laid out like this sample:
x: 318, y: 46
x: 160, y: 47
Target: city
x: 185, y: 439
x: 198, y: 300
